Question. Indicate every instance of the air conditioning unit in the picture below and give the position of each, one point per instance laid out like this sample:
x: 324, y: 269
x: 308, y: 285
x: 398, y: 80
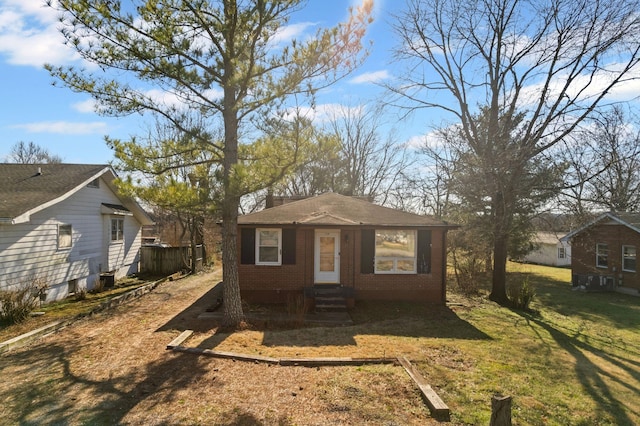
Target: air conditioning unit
x: 593, y: 282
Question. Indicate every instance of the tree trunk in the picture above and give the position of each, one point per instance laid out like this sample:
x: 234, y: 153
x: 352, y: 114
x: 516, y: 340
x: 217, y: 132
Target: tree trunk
x: 232, y: 302
x: 499, y: 282
x: 500, y: 244
x: 500, y: 411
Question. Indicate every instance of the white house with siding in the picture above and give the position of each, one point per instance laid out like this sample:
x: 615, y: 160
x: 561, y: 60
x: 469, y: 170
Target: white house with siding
x: 65, y: 225
x: 549, y: 249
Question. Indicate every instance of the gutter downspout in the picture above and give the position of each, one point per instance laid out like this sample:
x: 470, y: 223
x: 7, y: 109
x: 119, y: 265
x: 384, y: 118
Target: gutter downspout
x: 444, y: 267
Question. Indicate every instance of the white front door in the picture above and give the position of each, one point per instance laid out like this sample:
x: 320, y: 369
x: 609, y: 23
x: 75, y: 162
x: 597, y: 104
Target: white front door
x: 327, y: 257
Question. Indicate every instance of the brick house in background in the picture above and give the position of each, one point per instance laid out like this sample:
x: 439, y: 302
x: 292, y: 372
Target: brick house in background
x: 331, y: 240
x: 604, y: 253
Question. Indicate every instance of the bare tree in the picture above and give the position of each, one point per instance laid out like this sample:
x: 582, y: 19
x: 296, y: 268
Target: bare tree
x: 30, y: 153
x: 351, y: 156
x: 554, y: 60
x: 616, y: 144
x: 604, y: 159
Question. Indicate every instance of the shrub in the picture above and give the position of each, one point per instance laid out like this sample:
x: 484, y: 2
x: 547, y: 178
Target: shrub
x: 521, y: 295
x: 469, y: 273
x: 98, y: 286
x: 296, y: 308
x: 16, y: 305
x: 80, y: 294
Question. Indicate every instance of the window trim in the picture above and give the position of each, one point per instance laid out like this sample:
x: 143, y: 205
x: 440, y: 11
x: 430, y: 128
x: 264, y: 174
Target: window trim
x: 562, y: 252
x: 60, y: 227
x: 624, y: 246
x: 279, y: 247
x: 600, y: 254
x: 395, y: 259
x: 119, y: 232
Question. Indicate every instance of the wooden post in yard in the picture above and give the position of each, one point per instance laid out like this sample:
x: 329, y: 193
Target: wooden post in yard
x: 500, y: 410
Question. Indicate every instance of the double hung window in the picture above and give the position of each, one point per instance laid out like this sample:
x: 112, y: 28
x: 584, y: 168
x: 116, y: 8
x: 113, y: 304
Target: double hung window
x: 629, y: 258
x: 268, y: 246
x: 117, y: 230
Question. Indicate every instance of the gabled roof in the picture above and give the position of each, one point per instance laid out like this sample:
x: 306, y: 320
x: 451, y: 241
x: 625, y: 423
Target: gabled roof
x: 332, y: 209
x: 630, y: 220
x: 29, y: 188
x: 548, y: 237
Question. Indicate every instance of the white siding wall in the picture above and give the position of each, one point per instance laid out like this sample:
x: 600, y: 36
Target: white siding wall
x: 547, y: 254
x: 30, y: 250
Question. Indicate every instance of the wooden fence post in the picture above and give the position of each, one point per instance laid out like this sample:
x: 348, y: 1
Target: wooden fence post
x: 500, y: 410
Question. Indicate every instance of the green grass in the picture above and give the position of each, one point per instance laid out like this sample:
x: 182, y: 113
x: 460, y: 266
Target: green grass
x: 573, y: 359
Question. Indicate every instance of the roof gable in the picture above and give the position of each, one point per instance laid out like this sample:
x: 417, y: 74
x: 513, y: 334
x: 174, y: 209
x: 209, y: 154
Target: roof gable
x: 331, y: 209
x: 630, y: 220
x: 30, y: 188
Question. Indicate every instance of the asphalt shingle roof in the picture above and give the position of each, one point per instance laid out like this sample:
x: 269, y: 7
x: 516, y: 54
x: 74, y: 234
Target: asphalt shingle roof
x: 24, y: 187
x: 332, y: 209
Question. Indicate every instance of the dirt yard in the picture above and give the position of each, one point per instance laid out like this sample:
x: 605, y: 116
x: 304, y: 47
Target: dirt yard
x: 113, y: 368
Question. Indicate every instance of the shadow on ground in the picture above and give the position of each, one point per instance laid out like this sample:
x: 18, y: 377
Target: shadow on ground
x: 328, y: 329
x: 591, y: 375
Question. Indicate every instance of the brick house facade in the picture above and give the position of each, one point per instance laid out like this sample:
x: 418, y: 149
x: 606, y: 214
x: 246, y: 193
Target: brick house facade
x: 604, y: 253
x: 376, y: 252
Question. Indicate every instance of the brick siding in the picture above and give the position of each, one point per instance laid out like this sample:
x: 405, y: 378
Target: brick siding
x: 277, y: 283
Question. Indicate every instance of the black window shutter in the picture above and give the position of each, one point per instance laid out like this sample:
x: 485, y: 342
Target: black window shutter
x: 288, y: 246
x: 424, y: 252
x: 248, y: 246
x: 367, y: 250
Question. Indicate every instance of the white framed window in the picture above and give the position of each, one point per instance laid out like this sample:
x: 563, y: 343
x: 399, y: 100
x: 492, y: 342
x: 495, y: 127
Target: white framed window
x: 395, y: 251
x: 65, y: 234
x: 268, y: 246
x: 561, y: 253
x: 602, y: 255
x: 117, y: 229
x: 629, y: 258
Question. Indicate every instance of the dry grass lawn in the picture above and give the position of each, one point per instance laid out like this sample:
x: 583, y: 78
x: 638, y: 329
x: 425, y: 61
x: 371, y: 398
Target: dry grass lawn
x: 113, y: 368
x: 574, y: 362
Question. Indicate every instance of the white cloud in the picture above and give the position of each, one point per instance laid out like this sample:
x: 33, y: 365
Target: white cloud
x: 29, y: 34
x: 64, y: 127
x: 370, y: 77
x: 588, y: 86
x: 87, y: 106
x: 289, y: 32
x: 324, y: 113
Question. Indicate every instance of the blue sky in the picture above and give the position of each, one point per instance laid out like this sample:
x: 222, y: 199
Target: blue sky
x: 55, y: 118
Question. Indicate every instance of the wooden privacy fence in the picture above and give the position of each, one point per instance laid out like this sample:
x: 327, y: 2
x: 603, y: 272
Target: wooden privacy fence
x: 168, y: 260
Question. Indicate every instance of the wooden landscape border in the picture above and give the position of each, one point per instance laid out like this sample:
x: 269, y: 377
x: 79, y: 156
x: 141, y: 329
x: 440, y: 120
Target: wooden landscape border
x: 439, y: 410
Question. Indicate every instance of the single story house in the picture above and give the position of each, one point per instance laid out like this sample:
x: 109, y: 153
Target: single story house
x: 336, y: 241
x: 604, y: 253
x: 549, y: 249
x: 66, y: 226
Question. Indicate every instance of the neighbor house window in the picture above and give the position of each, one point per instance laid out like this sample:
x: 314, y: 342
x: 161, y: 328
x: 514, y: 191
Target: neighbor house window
x: 629, y: 258
x: 64, y: 236
x: 72, y: 287
x: 268, y: 246
x: 117, y: 229
x: 395, y: 252
x: 561, y: 253
x: 94, y: 183
x: 602, y: 255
